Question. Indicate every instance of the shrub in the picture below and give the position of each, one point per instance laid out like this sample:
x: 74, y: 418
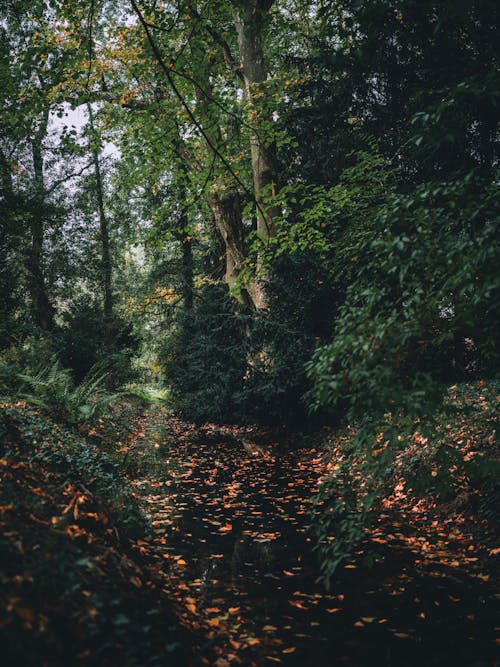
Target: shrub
x: 426, y: 287
x: 451, y: 456
x: 301, y: 311
x: 51, y: 388
x: 75, y: 459
x: 204, y: 358
x: 81, y: 344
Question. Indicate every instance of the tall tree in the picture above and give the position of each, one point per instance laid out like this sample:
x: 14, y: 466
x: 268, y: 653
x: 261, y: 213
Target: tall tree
x: 43, y: 311
x: 104, y: 236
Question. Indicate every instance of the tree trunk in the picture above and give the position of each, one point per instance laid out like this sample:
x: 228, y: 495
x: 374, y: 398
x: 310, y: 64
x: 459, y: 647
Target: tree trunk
x: 107, y: 267
x: 43, y: 312
x: 187, y: 272
x: 250, y: 18
x: 187, y: 266
x: 225, y: 203
x: 6, y: 180
x: 226, y: 209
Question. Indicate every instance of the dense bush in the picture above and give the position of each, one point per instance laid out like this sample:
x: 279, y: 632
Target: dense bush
x: 204, y: 357
x: 451, y: 456
x: 81, y: 343
x: 225, y: 364
x: 422, y: 308
x: 301, y: 310
x: 74, y: 458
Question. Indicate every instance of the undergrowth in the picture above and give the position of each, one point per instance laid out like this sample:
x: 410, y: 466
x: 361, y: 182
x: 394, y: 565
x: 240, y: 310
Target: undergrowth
x: 452, y: 457
x: 24, y: 430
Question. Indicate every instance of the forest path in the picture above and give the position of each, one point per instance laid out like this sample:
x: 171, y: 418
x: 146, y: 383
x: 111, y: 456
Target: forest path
x: 231, y: 541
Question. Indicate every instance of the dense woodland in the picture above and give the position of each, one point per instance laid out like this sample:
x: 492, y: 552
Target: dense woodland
x: 249, y: 332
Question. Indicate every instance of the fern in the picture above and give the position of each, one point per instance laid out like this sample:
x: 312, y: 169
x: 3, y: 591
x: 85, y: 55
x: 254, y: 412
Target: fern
x: 51, y: 388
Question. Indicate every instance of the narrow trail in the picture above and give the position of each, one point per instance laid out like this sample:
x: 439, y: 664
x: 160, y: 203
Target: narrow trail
x: 231, y: 541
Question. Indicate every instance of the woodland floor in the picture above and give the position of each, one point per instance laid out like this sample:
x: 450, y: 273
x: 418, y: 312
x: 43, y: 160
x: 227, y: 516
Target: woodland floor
x: 231, y: 542
x: 228, y: 575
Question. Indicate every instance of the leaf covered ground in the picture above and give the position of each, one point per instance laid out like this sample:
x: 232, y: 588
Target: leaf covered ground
x: 227, y: 573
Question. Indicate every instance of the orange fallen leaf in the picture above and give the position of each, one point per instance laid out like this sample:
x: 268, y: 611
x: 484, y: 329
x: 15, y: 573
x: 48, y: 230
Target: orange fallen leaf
x: 292, y: 649
x: 297, y: 604
x: 136, y: 582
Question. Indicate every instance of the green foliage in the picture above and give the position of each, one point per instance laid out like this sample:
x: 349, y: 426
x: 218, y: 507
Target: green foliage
x: 51, y: 388
x: 204, y: 358
x: 301, y: 309
x: 425, y: 285
x: 226, y: 364
x: 451, y: 456
x: 145, y: 395
x: 74, y: 458
x: 341, y: 513
x: 81, y: 343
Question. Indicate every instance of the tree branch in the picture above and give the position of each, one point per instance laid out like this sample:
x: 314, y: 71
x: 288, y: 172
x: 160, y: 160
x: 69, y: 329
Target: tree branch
x: 66, y: 178
x: 190, y: 113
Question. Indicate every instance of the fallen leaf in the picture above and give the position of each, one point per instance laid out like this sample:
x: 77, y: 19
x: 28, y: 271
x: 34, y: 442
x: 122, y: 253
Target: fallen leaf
x: 136, y: 582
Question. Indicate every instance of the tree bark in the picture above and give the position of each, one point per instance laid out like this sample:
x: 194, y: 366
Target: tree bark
x: 224, y: 201
x: 187, y: 273
x: 106, y: 263
x: 187, y: 266
x: 249, y: 22
x: 6, y: 179
x: 226, y: 209
x: 43, y: 312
